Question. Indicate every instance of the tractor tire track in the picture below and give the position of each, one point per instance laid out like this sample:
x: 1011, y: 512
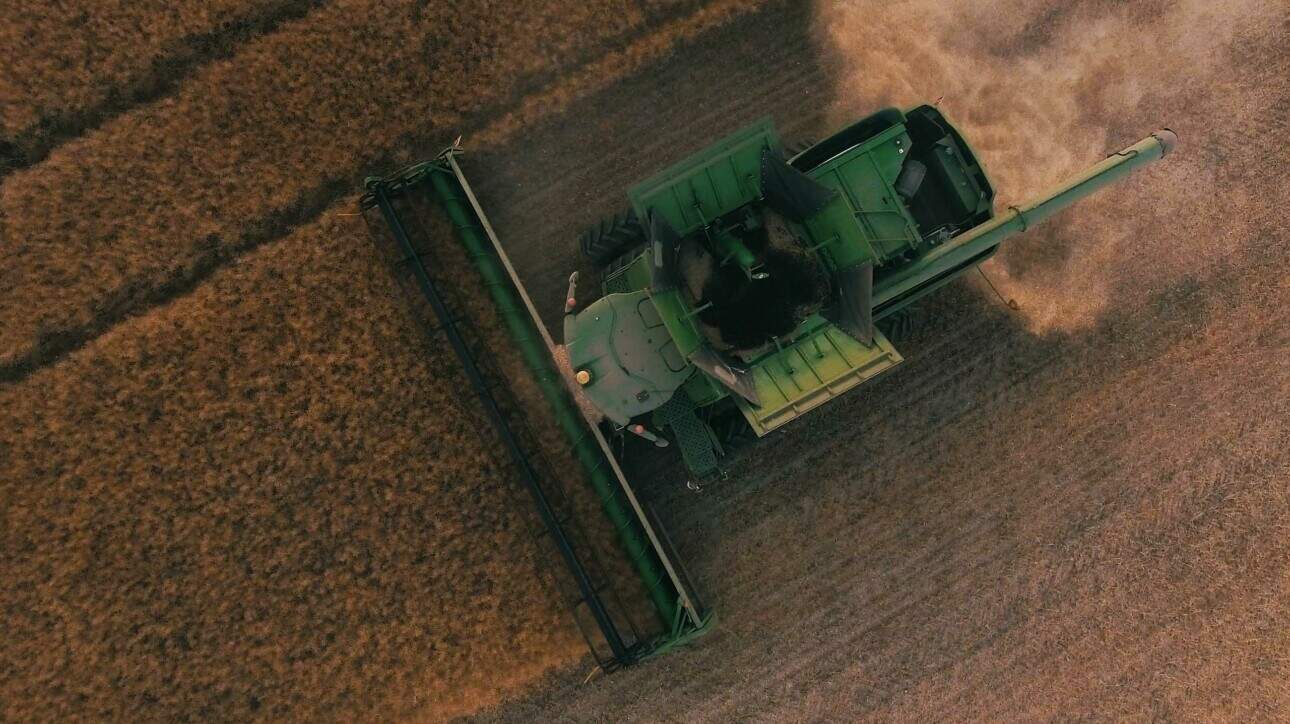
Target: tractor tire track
x: 163, y: 75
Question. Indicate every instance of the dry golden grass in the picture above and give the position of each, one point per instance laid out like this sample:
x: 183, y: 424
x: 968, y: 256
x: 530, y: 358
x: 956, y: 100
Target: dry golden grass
x: 249, y: 146
x: 221, y: 510
x: 65, y: 58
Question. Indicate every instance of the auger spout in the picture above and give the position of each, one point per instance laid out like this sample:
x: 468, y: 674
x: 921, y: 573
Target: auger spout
x: 978, y: 243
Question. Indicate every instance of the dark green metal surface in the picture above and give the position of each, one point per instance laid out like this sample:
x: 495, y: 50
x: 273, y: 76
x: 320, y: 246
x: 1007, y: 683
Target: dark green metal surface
x: 712, y: 182
x: 629, y: 354
x: 866, y: 222
x: 538, y: 359
x: 905, y: 207
x: 699, y: 447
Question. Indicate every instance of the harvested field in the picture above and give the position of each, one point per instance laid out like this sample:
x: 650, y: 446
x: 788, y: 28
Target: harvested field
x: 1075, y: 511
x: 238, y: 480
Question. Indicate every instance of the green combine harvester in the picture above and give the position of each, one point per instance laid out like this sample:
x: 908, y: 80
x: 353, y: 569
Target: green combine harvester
x: 745, y: 287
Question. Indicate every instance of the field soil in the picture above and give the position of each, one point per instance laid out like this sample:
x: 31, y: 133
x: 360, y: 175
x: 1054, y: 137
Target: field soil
x: 240, y: 480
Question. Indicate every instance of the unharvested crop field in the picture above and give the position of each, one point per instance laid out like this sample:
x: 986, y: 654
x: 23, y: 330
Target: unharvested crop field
x: 238, y: 478
x: 72, y: 65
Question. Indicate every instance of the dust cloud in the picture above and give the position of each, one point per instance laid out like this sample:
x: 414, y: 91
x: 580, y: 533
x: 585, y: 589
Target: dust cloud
x: 1043, y: 90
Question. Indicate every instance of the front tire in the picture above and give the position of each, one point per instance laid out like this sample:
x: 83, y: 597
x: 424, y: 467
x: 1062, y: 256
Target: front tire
x: 608, y: 240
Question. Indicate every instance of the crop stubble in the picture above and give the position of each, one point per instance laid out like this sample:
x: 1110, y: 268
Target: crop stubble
x: 1075, y: 511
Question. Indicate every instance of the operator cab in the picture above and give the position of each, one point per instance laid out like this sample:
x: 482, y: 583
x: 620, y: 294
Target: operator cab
x: 942, y: 182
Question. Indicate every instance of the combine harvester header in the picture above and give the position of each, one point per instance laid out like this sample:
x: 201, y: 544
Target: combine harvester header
x: 441, y: 182
x: 744, y: 288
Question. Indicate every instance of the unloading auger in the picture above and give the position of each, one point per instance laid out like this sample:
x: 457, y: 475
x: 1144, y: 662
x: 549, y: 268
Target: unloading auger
x: 747, y: 286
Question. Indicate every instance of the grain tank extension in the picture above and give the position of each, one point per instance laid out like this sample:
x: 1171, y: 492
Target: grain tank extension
x: 747, y: 286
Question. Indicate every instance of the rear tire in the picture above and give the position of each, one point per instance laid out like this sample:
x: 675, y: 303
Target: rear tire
x: 607, y: 240
x: 899, y: 326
